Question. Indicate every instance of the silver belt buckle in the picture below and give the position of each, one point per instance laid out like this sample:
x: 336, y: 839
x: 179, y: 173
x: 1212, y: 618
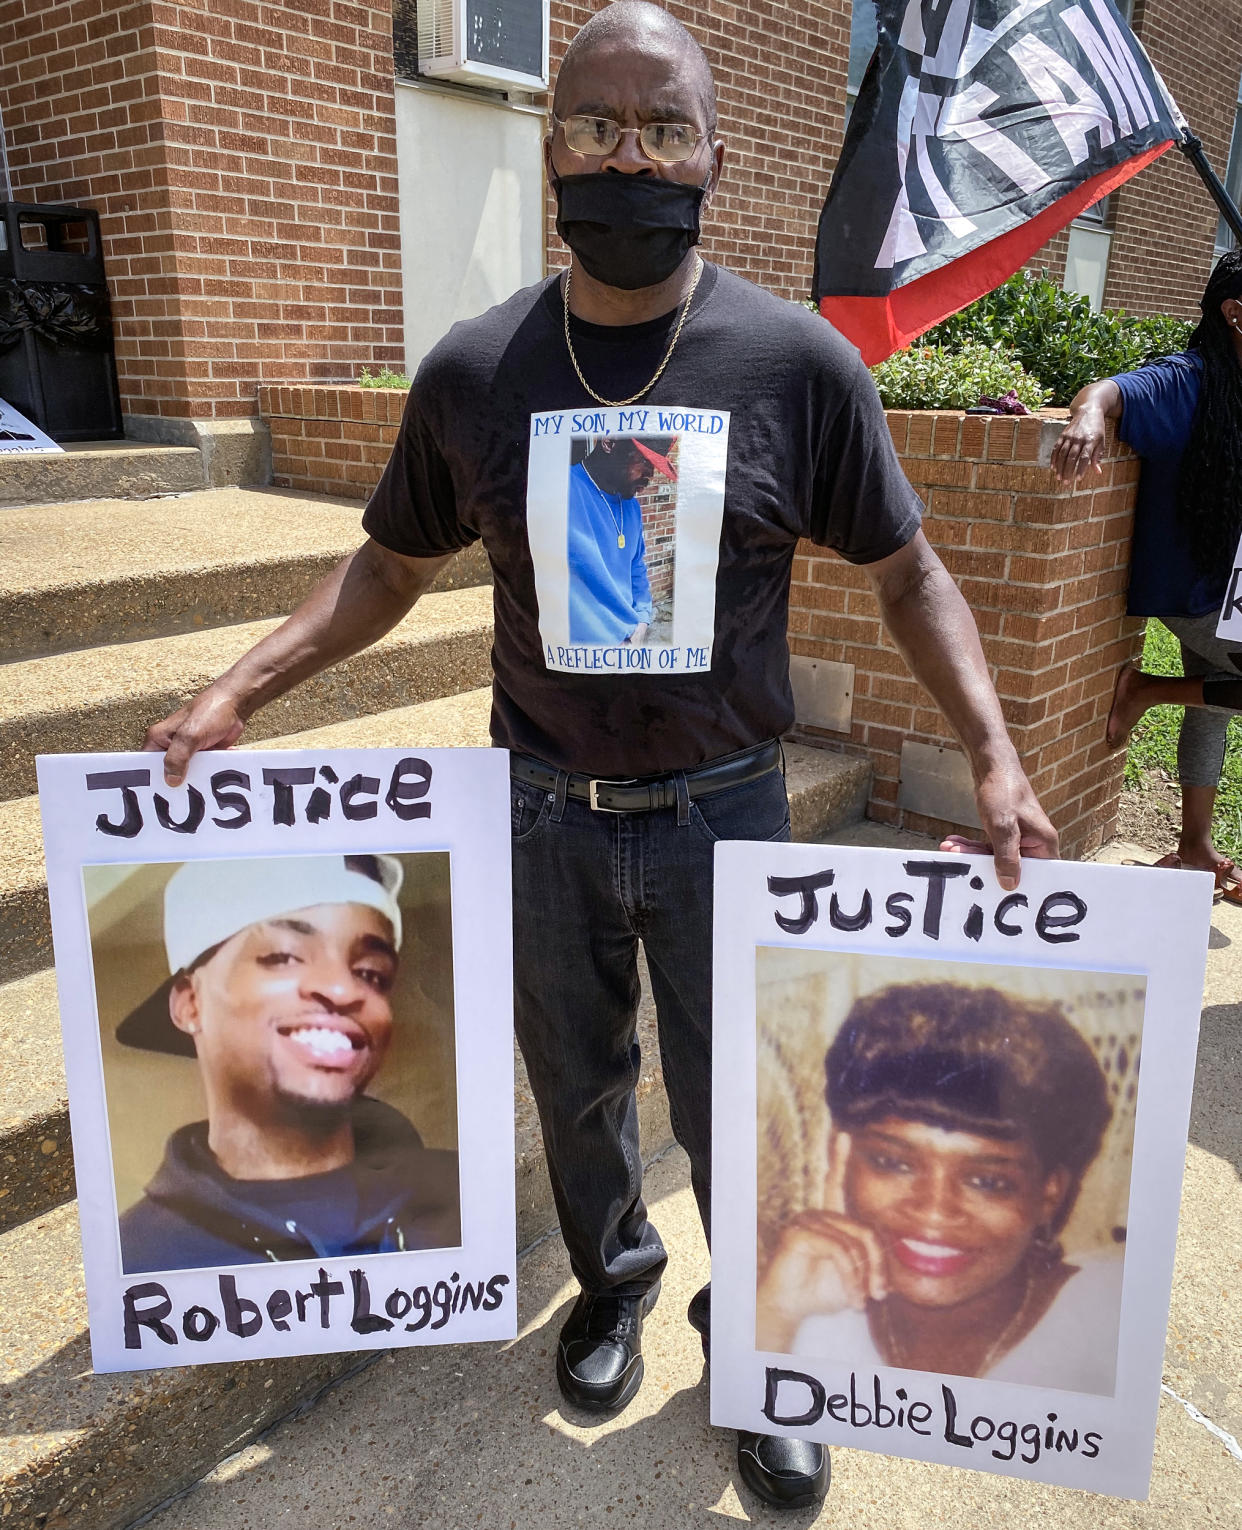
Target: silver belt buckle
x: 597, y: 806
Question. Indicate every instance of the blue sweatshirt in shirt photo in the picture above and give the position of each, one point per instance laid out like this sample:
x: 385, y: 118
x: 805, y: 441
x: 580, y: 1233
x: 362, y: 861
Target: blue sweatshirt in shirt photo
x: 609, y: 591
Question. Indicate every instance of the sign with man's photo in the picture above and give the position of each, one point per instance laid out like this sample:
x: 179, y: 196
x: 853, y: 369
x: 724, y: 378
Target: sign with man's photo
x: 948, y: 1232
x: 286, y: 998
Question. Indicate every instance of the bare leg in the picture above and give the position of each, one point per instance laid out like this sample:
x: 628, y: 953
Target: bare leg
x: 1136, y: 691
x: 1195, y: 847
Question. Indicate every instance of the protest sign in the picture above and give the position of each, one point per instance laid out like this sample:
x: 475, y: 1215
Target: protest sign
x: 1230, y: 625
x: 947, y: 1230
x: 18, y: 435
x: 286, y: 1001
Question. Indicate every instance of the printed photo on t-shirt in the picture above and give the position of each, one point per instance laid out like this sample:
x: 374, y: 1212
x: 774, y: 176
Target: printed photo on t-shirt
x: 624, y: 508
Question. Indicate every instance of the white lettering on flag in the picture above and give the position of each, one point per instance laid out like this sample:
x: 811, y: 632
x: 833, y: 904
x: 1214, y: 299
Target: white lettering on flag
x: 963, y: 118
x: 1072, y: 120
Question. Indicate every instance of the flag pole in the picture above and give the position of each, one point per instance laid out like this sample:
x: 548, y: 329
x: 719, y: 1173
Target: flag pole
x: 1192, y: 147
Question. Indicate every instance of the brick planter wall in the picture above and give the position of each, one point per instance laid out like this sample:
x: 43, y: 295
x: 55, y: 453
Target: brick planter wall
x: 331, y: 440
x: 1044, y: 571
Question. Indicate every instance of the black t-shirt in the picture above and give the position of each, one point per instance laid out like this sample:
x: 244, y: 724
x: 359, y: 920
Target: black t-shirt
x: 641, y: 591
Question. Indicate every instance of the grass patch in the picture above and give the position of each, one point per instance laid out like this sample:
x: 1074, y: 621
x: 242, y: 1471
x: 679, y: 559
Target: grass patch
x: 1153, y: 745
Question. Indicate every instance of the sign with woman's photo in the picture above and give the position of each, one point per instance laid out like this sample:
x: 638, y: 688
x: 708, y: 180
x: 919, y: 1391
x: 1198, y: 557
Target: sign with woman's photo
x: 949, y: 1232
x: 286, y: 1000
x: 624, y: 509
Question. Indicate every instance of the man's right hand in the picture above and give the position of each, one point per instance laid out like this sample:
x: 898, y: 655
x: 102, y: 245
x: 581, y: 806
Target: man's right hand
x: 211, y: 721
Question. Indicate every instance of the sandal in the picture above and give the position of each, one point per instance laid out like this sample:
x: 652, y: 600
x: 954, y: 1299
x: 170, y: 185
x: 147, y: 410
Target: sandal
x: 1228, y: 882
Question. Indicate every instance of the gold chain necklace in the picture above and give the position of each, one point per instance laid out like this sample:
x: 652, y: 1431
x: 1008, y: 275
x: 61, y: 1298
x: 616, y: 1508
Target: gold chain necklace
x: 995, y: 1350
x: 621, y: 403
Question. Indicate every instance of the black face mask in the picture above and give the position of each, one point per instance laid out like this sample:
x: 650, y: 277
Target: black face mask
x: 628, y: 231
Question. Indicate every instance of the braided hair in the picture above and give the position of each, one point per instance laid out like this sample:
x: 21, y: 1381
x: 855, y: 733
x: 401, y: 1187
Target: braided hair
x: 1209, y: 502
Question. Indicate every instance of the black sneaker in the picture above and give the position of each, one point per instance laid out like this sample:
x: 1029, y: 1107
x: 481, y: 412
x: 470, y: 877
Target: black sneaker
x: 784, y: 1473
x: 599, y: 1362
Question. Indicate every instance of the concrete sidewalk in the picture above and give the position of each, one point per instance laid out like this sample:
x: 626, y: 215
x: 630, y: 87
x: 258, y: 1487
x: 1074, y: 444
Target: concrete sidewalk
x: 461, y: 1437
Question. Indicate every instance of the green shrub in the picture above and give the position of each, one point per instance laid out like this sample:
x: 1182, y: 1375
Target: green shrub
x: 384, y: 378
x: 940, y: 377
x: 1161, y: 334
x: 1057, y: 336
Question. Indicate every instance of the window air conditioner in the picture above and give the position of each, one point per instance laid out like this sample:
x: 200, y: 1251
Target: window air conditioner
x: 498, y: 44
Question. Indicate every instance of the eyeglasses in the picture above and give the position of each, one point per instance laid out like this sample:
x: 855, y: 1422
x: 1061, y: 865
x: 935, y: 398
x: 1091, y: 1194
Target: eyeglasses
x: 668, y: 143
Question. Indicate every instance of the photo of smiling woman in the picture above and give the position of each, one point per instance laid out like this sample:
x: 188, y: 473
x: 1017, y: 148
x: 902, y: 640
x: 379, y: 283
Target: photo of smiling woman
x: 966, y: 1215
x: 277, y: 1039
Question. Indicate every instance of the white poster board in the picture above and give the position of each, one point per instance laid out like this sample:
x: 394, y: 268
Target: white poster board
x: 18, y: 435
x: 286, y: 1000
x: 945, y: 1195
x: 1230, y: 625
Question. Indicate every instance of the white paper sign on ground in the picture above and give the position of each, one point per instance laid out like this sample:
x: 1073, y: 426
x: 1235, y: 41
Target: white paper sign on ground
x: 18, y: 435
x: 945, y: 1194
x: 1230, y: 625
x: 286, y: 1000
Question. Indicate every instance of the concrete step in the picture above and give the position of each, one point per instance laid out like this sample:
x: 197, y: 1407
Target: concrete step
x: 105, y: 698
x: 827, y: 791
x: 100, y: 470
x: 107, y: 571
x: 36, y: 1155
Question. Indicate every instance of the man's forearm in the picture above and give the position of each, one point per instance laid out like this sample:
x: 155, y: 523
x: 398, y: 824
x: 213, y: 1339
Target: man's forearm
x: 930, y: 622
x: 364, y: 597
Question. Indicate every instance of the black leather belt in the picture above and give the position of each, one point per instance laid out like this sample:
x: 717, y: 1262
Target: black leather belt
x: 642, y: 794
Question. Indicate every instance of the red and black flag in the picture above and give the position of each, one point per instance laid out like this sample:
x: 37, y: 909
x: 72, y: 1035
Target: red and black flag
x: 982, y: 127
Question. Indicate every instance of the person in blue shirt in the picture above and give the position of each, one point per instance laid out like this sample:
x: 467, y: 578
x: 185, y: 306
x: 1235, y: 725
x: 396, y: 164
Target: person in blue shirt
x: 1182, y: 415
x: 609, y: 590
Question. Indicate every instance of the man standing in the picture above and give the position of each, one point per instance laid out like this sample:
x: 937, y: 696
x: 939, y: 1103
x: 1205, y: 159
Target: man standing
x: 609, y: 588
x: 624, y: 782
x: 282, y: 972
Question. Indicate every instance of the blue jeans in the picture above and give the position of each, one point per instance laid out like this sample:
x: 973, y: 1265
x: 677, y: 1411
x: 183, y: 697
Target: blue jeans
x: 587, y: 887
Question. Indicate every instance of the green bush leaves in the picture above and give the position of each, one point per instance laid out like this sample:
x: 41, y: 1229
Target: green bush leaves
x: 384, y: 378
x: 953, y: 377
x: 1057, y: 336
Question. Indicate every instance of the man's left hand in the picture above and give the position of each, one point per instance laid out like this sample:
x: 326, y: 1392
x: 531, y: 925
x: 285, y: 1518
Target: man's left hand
x: 1013, y: 825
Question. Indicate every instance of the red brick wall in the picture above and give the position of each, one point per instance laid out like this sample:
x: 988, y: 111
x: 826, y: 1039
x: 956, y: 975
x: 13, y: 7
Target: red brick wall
x: 780, y: 77
x: 84, y: 123
x: 242, y: 155
x: 331, y: 440
x: 1044, y: 572
x: 659, y: 507
x: 1165, y: 225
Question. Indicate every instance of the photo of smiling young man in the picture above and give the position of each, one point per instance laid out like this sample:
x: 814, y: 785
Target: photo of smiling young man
x: 944, y: 1166
x: 244, y: 1093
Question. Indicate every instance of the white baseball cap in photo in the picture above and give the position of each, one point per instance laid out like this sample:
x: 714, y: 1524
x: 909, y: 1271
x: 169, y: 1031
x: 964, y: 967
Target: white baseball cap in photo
x: 208, y: 902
